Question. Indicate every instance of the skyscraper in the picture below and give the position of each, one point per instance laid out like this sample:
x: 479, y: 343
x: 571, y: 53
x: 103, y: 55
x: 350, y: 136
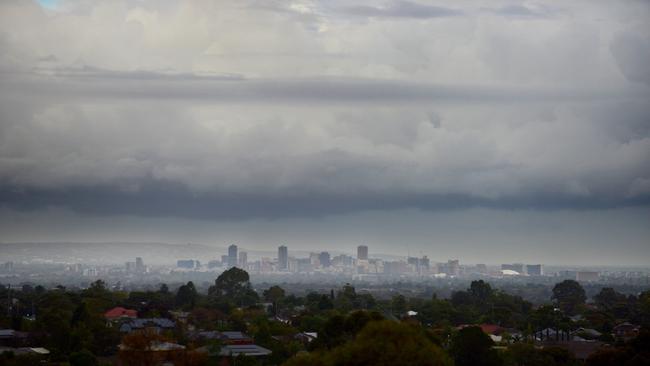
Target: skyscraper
x: 243, y: 260
x: 362, y: 252
x: 324, y: 258
x: 283, y: 258
x: 535, y: 270
x: 232, y: 256
x: 139, y: 265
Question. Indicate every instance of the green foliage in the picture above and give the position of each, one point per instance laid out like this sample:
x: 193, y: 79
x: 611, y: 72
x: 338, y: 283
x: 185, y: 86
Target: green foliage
x: 83, y: 358
x: 569, y: 296
x: 480, y: 291
x: 187, y: 296
x: 524, y: 354
x: 232, y: 288
x: 380, y: 343
x: 471, y: 347
x: 274, y: 294
x: 398, y: 305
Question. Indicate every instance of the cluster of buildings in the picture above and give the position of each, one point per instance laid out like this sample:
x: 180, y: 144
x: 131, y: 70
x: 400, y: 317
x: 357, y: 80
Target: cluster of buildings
x: 362, y: 266
x: 523, y: 269
x: 137, y: 267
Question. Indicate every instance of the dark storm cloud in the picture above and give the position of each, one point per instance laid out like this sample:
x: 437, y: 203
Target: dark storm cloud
x: 166, y: 199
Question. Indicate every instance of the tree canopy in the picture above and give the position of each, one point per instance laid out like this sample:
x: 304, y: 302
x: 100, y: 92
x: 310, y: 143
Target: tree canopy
x: 569, y: 295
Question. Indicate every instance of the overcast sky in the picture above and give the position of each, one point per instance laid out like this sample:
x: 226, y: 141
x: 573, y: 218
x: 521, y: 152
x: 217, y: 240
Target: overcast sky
x: 489, y: 131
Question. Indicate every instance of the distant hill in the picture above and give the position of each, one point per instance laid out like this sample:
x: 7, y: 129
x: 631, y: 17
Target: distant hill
x: 121, y: 252
x: 107, y: 253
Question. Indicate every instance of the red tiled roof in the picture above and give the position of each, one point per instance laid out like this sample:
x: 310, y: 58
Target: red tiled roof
x: 491, y: 328
x: 120, y: 312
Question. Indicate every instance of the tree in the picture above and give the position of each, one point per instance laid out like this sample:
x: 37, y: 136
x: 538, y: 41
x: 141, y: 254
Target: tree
x: 481, y: 291
x: 186, y: 296
x: 608, y: 297
x: 471, y: 347
x: 83, y: 358
x: 233, y: 286
x: 274, y: 294
x: 380, y: 343
x: 569, y: 295
x: 525, y: 354
x: 398, y: 305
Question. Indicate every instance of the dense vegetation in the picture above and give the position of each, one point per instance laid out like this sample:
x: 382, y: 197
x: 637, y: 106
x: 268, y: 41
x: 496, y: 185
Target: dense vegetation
x: 353, y: 328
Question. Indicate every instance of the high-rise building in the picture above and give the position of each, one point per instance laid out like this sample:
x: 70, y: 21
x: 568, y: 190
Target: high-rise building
x: 324, y: 258
x: 232, y: 256
x: 283, y: 258
x: 362, y: 252
x: 130, y: 267
x: 589, y: 276
x: 243, y: 260
x: 139, y: 265
x: 187, y: 263
x: 314, y: 259
x: 535, y: 270
x: 451, y: 268
x: 424, y: 264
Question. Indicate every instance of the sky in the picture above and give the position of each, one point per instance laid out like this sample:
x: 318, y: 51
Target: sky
x: 489, y: 131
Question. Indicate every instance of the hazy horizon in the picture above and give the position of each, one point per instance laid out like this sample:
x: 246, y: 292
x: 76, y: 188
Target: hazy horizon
x: 491, y: 131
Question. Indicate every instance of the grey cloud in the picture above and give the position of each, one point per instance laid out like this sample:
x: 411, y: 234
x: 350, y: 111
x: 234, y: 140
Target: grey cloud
x: 470, y: 111
x: 91, y: 82
x: 90, y: 72
x: 148, y: 158
x: 632, y: 52
x: 403, y: 9
x: 522, y: 11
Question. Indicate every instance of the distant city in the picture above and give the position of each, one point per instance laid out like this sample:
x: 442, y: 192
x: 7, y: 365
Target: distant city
x: 74, y: 267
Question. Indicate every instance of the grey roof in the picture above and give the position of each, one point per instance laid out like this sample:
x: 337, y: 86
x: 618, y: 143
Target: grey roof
x: 245, y: 349
x: 230, y: 335
x: 208, y: 334
x: 140, y: 323
x: 125, y: 328
x: 7, y: 333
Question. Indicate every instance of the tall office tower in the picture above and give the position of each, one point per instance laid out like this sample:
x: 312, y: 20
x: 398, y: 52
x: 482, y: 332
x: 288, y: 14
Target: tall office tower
x: 535, y: 270
x: 243, y: 260
x: 283, y: 258
x: 453, y: 267
x: 324, y: 258
x: 362, y: 252
x: 424, y: 264
x: 139, y: 265
x: 232, y: 256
